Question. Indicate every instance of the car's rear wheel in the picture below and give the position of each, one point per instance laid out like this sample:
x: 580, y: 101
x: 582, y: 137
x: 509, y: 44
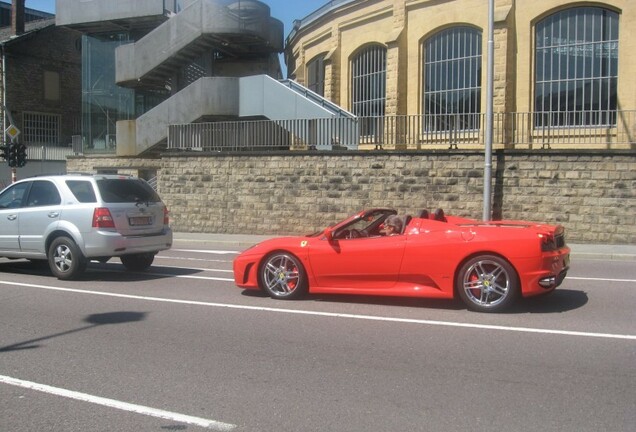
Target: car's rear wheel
x: 66, y: 260
x: 282, y: 276
x: 487, y: 283
x: 138, y: 262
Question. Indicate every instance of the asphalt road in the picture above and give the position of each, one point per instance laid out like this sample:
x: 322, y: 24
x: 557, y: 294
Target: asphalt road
x: 180, y: 348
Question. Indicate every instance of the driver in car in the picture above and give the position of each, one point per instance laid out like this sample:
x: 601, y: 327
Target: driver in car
x: 392, y: 226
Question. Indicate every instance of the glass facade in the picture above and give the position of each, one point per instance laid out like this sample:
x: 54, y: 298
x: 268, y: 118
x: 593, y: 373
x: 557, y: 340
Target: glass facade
x: 452, y: 80
x: 104, y: 103
x: 576, y: 68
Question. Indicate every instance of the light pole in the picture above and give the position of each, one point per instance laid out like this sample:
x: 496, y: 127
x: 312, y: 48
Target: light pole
x: 489, y: 108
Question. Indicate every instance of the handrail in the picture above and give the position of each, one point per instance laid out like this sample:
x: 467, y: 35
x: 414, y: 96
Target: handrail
x: 315, y: 97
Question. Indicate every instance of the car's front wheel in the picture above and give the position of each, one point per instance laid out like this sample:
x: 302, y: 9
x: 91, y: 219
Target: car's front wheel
x: 66, y: 260
x: 282, y: 276
x: 487, y: 283
x: 137, y: 262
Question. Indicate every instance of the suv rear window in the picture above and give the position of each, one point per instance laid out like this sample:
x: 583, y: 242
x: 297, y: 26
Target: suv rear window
x: 83, y: 190
x: 126, y: 191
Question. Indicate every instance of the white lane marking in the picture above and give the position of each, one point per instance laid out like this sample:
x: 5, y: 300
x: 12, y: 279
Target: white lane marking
x: 192, y: 259
x: 195, y: 268
x: 189, y: 276
x: 180, y: 276
x: 208, y: 251
x: 601, y: 279
x: 183, y: 276
x: 112, y: 403
x: 334, y: 314
x: 194, y: 277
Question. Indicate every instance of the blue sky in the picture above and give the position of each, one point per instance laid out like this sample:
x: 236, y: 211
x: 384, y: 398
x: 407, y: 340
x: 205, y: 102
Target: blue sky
x: 285, y: 10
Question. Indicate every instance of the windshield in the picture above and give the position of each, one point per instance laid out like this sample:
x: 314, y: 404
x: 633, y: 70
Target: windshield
x: 366, y: 225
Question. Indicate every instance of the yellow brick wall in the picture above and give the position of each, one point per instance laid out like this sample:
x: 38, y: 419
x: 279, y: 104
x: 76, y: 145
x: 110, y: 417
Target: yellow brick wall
x: 402, y: 25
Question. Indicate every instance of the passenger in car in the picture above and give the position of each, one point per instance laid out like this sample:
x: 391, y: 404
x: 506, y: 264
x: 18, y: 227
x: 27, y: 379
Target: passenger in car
x: 392, y: 226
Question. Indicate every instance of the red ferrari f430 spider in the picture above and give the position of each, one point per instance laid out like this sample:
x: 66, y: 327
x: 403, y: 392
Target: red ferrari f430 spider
x: 488, y: 265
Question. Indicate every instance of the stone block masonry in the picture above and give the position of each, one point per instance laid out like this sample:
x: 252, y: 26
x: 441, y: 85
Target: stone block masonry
x: 590, y: 193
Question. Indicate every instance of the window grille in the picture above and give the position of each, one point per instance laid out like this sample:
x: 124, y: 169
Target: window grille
x: 452, y: 80
x: 368, y: 79
x: 316, y: 75
x: 576, y: 68
x: 41, y: 128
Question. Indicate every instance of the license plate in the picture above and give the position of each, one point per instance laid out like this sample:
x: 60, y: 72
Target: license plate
x: 140, y: 220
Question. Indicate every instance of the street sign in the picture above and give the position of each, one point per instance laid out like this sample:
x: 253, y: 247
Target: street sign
x: 12, y: 132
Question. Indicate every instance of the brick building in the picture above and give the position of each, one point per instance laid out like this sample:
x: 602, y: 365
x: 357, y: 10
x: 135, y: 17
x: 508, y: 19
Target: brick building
x: 40, y: 85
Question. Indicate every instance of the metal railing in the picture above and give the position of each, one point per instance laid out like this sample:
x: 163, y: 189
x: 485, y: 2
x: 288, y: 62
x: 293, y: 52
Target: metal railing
x: 325, y: 133
x: 416, y: 132
x: 49, y: 153
x: 153, y: 182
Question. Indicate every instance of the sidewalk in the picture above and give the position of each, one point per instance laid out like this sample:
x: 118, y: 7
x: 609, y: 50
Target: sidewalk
x: 243, y: 241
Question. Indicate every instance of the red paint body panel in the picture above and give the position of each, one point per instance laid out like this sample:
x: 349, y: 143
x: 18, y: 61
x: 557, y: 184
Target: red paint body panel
x: 422, y: 262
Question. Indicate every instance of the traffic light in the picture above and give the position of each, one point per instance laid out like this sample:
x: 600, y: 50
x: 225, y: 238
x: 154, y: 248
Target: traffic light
x: 12, y: 156
x: 21, y: 156
x: 4, y: 152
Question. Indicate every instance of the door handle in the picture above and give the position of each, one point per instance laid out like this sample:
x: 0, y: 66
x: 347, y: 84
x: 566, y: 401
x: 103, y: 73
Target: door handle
x: 12, y: 217
x: 54, y: 214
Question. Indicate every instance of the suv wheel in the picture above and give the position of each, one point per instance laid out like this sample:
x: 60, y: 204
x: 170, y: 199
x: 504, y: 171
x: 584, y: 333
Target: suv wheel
x: 137, y: 262
x: 66, y: 259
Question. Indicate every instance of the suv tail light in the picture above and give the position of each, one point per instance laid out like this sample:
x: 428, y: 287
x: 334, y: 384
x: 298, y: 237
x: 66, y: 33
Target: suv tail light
x: 166, y: 217
x: 102, y: 218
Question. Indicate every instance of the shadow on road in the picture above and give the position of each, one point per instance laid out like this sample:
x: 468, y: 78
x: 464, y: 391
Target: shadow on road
x: 93, y: 320
x: 558, y: 301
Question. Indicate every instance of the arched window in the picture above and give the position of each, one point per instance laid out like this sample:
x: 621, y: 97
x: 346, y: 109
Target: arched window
x: 316, y: 75
x: 576, y: 68
x: 368, y: 88
x: 452, y: 80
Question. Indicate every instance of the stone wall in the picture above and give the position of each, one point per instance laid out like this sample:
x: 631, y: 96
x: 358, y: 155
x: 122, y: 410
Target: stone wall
x: 590, y: 193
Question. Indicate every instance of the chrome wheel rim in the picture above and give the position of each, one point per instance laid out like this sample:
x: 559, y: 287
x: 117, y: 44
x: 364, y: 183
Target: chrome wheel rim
x: 281, y: 274
x: 486, y: 283
x: 63, y: 258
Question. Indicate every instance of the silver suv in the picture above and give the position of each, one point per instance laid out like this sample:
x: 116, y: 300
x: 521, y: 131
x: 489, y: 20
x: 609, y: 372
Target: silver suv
x: 72, y: 219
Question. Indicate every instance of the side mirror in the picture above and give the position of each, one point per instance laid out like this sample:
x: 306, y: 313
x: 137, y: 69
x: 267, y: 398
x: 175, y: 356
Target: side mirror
x: 328, y: 233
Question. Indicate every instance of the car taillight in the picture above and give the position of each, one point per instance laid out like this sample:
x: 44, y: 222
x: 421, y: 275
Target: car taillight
x: 547, y: 242
x: 166, y: 218
x: 102, y: 218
